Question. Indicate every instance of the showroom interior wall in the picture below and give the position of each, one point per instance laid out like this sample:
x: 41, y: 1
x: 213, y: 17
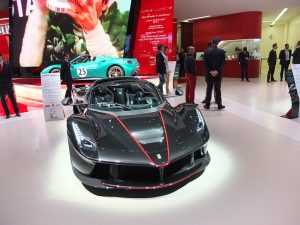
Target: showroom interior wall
x: 282, y: 33
x: 246, y: 25
x: 294, y: 31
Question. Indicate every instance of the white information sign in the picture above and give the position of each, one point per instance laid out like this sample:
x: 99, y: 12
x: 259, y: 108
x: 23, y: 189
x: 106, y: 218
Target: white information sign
x: 172, y: 66
x: 51, y: 92
x: 296, y: 73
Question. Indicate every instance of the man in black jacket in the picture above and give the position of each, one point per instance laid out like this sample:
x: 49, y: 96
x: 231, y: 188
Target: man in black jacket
x: 66, y: 75
x: 214, y: 60
x: 296, y: 54
x: 7, y: 87
x: 272, y: 63
x: 160, y: 67
x: 285, y: 59
x: 243, y: 61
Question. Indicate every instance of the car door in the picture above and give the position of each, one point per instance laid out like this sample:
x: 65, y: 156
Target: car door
x: 84, y: 68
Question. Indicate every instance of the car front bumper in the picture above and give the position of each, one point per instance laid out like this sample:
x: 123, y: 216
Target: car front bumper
x: 136, y: 177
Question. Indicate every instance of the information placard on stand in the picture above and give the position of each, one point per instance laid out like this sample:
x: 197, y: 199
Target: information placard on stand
x: 296, y: 73
x: 172, y: 66
x: 51, y: 92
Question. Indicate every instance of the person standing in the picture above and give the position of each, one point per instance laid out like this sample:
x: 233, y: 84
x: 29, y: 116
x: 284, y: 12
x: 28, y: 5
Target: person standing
x: 204, y: 100
x: 160, y: 67
x: 214, y: 60
x: 272, y: 63
x: 66, y: 75
x: 296, y: 54
x: 190, y: 75
x: 168, y: 71
x: 7, y: 87
x: 285, y: 59
x: 181, y: 63
x: 243, y: 61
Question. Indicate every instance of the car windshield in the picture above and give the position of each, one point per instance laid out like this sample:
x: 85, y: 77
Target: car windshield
x: 124, y: 96
x: 81, y: 59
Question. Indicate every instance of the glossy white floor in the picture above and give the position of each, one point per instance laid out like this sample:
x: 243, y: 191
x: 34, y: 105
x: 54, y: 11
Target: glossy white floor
x: 253, y: 177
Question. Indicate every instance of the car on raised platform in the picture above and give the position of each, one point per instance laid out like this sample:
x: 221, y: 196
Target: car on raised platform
x: 88, y: 67
x: 124, y: 134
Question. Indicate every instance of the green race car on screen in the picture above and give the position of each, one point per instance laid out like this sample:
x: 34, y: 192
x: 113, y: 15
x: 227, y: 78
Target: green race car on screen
x: 87, y: 67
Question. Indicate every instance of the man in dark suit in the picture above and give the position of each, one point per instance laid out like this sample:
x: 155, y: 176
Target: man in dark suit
x: 296, y: 54
x: 160, y: 67
x: 285, y: 59
x: 7, y: 87
x: 66, y: 75
x: 272, y: 63
x: 243, y: 61
x: 214, y: 60
x: 181, y: 56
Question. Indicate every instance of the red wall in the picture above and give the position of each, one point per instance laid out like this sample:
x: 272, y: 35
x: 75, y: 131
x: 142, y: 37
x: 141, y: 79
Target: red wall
x: 155, y: 25
x: 4, y: 14
x: 246, y: 25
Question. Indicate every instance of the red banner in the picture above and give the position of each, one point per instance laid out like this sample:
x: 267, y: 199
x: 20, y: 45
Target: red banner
x: 155, y: 26
x: 4, y: 38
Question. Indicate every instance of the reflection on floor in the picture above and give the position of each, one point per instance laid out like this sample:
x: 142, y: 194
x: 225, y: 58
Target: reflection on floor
x: 253, y: 177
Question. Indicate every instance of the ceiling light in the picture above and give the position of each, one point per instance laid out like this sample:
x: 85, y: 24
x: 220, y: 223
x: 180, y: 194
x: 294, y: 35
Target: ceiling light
x: 199, y: 18
x: 196, y: 18
x: 279, y: 16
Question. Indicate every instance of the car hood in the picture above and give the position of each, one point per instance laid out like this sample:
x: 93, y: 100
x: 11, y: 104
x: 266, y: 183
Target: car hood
x: 156, y: 138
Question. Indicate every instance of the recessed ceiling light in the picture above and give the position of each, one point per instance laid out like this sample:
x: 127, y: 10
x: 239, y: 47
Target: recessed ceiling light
x: 198, y: 18
x: 279, y: 16
x: 195, y: 18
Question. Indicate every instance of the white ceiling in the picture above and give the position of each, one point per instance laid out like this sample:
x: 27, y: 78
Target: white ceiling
x: 272, y: 14
x: 185, y: 9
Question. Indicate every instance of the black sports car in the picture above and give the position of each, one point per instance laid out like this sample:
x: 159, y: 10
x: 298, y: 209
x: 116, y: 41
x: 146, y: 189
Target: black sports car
x: 125, y: 135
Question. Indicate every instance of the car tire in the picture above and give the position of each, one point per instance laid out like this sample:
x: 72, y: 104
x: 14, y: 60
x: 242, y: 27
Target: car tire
x: 55, y: 70
x: 115, y: 71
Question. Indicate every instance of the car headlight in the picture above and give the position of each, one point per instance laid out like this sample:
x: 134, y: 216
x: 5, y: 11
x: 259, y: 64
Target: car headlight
x: 200, y: 124
x: 87, y: 147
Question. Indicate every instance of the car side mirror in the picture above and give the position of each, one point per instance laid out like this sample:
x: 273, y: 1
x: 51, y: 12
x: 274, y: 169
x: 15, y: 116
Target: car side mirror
x: 66, y: 101
x: 179, y: 92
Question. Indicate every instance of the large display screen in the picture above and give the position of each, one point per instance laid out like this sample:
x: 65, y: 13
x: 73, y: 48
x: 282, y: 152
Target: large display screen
x: 42, y: 30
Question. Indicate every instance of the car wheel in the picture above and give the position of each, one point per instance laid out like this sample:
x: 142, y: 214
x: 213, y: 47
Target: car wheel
x: 115, y: 71
x: 55, y: 70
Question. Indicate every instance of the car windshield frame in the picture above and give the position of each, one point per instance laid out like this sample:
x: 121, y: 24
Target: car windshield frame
x: 86, y: 59
x: 122, y: 98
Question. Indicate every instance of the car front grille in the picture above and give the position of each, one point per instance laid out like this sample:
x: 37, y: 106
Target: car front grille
x: 143, y: 174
